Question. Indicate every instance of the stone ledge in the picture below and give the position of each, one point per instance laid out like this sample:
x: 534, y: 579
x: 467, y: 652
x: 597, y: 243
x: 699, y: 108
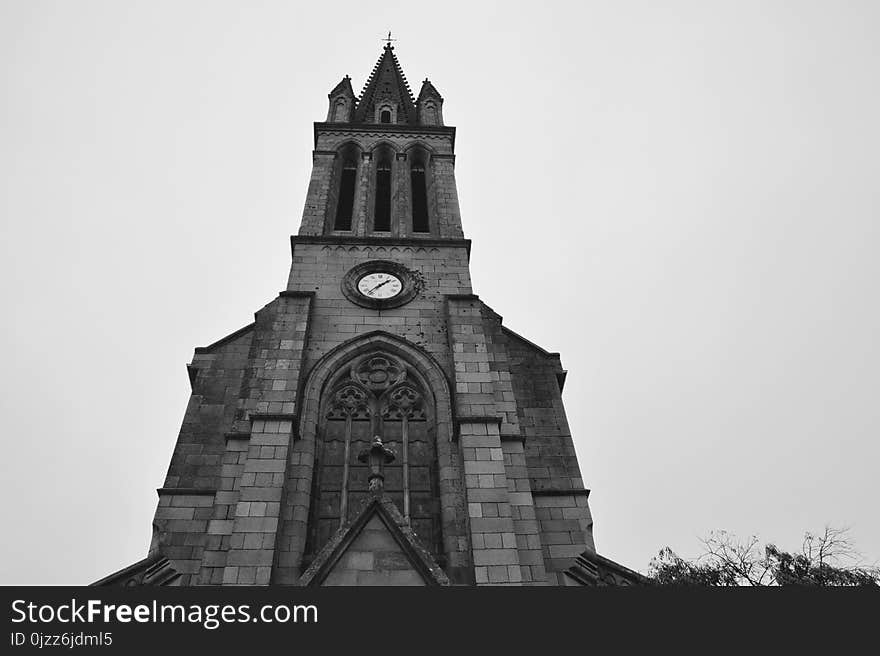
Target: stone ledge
x: 384, y: 128
x: 272, y: 416
x: 478, y: 420
x: 237, y: 436
x: 556, y: 492
x: 193, y: 491
x: 294, y: 294
x: 352, y: 240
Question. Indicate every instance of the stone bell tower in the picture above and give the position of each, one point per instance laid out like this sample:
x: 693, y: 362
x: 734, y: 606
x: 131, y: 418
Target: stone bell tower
x: 377, y: 424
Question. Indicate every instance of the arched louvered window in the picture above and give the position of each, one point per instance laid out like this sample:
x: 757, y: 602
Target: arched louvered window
x: 382, y: 216
x: 418, y: 176
x: 345, y: 197
x: 385, y: 116
x: 419, y: 199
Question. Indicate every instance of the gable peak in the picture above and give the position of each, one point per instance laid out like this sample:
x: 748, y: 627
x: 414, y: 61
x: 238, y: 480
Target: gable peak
x: 386, y: 97
x: 429, y: 90
x: 343, y: 88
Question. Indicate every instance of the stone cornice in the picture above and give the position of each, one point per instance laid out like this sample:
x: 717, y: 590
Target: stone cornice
x: 388, y: 242
x: 560, y: 492
x: 189, y: 491
x: 272, y: 416
x: 385, y: 130
x: 478, y: 420
x: 287, y: 293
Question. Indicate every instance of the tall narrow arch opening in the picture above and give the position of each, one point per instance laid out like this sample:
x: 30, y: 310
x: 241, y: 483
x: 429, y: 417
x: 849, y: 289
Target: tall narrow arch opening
x: 419, y: 190
x: 376, y: 394
x: 382, y: 208
x: 346, y: 188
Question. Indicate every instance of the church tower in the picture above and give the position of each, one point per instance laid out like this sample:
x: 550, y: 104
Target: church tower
x: 377, y: 424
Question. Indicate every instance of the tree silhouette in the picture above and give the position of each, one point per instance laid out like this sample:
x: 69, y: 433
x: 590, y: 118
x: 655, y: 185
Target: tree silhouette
x: 825, y: 559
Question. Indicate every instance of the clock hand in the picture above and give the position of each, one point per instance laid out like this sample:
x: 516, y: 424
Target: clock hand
x: 377, y: 286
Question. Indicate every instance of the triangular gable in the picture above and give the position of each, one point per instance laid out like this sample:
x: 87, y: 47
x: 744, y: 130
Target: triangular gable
x: 386, y: 82
x: 377, y: 548
x: 428, y: 90
x: 342, y: 89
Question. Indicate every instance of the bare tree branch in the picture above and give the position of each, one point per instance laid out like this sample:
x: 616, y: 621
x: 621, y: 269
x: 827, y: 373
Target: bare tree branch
x: 825, y: 559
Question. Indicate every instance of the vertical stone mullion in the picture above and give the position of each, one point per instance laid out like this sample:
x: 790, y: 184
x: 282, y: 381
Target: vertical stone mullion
x: 343, y: 494
x: 431, y: 199
x: 404, y: 438
x: 401, y: 216
x: 362, y: 211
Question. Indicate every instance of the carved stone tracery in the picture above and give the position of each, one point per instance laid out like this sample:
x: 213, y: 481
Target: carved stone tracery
x: 350, y: 401
x: 378, y: 373
x: 375, y: 395
x: 403, y: 401
x: 377, y: 387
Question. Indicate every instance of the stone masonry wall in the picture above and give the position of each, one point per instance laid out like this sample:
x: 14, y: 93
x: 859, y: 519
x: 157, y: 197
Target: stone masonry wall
x: 442, y: 191
x: 560, y: 500
x: 319, y: 268
x: 186, y: 501
x: 522, y: 509
x: 231, y: 457
x: 235, y: 503
x: 374, y: 558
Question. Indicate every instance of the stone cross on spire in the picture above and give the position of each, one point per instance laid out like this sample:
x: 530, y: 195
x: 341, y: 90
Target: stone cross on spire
x: 388, y: 40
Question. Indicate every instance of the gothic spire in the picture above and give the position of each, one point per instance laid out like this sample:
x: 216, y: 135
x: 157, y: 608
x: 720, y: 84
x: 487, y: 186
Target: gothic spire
x: 386, y: 97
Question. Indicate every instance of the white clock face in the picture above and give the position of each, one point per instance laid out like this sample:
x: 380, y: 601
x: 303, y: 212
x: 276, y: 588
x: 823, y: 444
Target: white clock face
x: 379, y: 285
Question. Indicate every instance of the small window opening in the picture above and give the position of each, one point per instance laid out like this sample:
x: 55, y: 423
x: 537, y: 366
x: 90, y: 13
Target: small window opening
x: 339, y: 114
x: 385, y: 116
x: 419, y: 200
x: 345, y: 204
x: 382, y: 221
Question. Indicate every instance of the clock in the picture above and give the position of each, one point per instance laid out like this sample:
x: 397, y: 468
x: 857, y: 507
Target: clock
x: 380, y: 285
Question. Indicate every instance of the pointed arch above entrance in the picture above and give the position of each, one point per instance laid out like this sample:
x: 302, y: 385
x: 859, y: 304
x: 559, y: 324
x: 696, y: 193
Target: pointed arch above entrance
x: 379, y: 385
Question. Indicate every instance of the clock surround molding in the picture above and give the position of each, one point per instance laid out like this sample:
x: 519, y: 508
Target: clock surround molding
x: 411, y: 284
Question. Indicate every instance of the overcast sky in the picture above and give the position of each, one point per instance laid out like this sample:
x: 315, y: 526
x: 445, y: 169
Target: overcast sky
x: 681, y: 198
